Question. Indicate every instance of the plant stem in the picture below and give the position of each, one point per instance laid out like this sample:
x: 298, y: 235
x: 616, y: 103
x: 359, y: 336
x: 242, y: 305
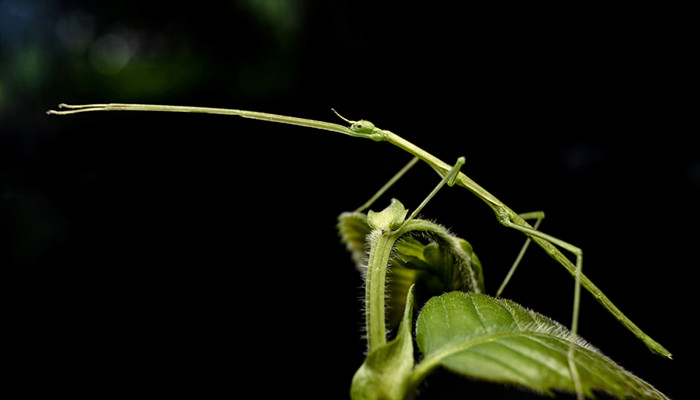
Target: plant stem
x: 375, y: 287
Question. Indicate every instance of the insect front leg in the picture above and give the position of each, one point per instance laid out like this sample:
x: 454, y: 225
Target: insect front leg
x: 448, y: 179
x: 388, y: 185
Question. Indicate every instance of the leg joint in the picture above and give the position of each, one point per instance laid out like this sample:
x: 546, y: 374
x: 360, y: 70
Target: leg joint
x: 504, y: 217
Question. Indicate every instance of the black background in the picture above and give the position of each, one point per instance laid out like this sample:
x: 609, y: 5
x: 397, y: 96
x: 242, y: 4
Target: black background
x: 171, y: 254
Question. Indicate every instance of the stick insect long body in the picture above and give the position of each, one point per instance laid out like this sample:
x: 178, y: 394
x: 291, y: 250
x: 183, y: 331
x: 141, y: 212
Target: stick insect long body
x: 505, y: 215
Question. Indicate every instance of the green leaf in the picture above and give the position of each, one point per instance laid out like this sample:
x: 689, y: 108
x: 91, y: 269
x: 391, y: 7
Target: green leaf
x: 500, y: 341
x: 386, y: 370
x: 400, y: 280
x: 446, y: 256
x: 474, y: 262
x: 353, y: 230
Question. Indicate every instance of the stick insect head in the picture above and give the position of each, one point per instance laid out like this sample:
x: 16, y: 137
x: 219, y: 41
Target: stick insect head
x: 363, y: 128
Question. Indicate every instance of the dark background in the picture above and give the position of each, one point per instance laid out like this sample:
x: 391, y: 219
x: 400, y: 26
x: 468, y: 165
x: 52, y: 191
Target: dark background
x: 169, y: 254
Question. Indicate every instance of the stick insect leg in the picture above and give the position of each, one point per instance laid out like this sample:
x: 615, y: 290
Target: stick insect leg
x: 389, y: 184
x: 449, y: 178
x: 530, y: 232
x: 538, y: 216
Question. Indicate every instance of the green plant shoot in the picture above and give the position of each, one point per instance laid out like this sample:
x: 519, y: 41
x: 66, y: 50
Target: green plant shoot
x: 465, y: 331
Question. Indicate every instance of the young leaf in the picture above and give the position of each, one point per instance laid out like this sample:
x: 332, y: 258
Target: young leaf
x: 353, y: 230
x: 446, y: 263
x: 385, y: 372
x: 389, y: 219
x: 500, y: 341
x: 446, y: 256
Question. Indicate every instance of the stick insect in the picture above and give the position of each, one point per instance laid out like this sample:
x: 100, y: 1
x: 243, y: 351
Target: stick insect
x: 504, y: 214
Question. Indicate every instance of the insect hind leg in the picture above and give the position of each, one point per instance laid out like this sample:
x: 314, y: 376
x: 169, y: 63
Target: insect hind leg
x: 538, y: 216
x: 530, y: 232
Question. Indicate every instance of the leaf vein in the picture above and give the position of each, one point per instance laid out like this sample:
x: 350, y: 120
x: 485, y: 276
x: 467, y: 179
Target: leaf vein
x: 482, y: 320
